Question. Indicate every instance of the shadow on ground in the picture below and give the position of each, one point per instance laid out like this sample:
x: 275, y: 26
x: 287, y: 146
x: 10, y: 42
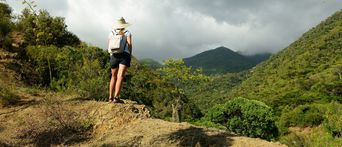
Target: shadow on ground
x: 63, y: 135
x: 199, y: 137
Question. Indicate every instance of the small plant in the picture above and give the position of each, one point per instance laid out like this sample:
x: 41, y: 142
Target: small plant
x: 7, y: 98
x: 293, y: 140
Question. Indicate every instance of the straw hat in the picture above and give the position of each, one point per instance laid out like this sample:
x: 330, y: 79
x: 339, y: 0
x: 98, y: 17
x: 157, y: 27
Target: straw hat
x: 121, y: 23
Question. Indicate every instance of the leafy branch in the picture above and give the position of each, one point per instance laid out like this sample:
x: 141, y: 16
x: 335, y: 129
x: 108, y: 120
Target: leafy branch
x: 31, y: 5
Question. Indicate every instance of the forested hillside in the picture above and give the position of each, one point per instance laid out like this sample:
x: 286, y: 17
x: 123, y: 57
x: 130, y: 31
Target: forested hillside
x: 222, y: 60
x: 150, y: 63
x: 307, y: 71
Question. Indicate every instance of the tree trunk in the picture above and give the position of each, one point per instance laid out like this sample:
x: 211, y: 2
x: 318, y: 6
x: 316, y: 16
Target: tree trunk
x: 177, y: 112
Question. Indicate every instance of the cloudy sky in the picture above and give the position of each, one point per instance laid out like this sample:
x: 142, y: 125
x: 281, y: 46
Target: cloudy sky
x: 181, y: 28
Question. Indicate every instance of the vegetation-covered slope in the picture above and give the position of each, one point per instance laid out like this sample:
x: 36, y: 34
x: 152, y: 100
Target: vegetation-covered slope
x: 150, y: 63
x: 223, y: 60
x: 219, y: 60
x: 308, y: 70
x: 214, y: 91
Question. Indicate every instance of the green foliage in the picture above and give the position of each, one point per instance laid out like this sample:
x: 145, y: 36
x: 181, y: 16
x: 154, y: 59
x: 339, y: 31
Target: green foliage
x: 210, y: 124
x: 316, y: 138
x: 246, y: 117
x: 307, y: 71
x: 293, y: 140
x: 222, y: 60
x: 91, y: 80
x: 150, y: 63
x: 183, y: 78
x: 320, y: 137
x: 5, y: 23
x: 333, y: 120
x: 7, y: 97
x: 44, y: 60
x: 311, y: 115
x: 206, y: 94
x: 176, y: 72
x: 302, y: 116
x: 82, y: 69
x: 150, y: 87
x: 43, y: 29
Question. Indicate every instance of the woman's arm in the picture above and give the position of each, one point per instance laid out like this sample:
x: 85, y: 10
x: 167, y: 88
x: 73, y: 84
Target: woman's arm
x: 129, y: 42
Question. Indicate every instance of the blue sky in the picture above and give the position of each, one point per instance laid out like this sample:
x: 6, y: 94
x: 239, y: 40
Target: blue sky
x: 181, y: 28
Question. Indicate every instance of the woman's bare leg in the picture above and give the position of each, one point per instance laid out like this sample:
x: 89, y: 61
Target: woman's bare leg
x: 119, y: 78
x: 112, y: 81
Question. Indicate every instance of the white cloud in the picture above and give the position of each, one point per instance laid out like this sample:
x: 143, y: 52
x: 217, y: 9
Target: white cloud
x: 182, y: 28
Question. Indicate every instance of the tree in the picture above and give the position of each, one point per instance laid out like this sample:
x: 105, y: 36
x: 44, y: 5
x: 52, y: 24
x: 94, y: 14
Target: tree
x: 176, y: 72
x: 184, y: 78
x: 246, y: 117
x: 5, y: 22
x: 43, y: 29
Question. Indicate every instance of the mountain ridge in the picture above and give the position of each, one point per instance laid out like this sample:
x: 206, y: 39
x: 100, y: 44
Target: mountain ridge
x: 223, y: 60
x: 304, y: 72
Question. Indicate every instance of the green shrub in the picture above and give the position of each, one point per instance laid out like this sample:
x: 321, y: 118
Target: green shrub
x: 320, y: 137
x: 293, y: 140
x: 80, y: 69
x: 317, y: 137
x: 246, y: 117
x: 333, y: 119
x: 301, y: 116
x: 7, y: 98
x: 5, y: 23
x: 91, y: 81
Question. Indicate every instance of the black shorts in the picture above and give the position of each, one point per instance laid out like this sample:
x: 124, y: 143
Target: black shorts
x: 123, y: 58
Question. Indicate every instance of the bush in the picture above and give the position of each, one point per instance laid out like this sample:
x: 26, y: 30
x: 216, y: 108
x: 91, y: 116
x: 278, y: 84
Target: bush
x: 80, y: 69
x: 320, y: 137
x: 317, y: 137
x: 91, y: 81
x: 293, y: 140
x: 5, y: 23
x: 246, y: 117
x: 7, y: 98
x: 333, y: 120
x: 302, y: 116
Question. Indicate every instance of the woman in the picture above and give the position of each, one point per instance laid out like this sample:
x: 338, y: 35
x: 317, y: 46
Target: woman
x: 119, y: 61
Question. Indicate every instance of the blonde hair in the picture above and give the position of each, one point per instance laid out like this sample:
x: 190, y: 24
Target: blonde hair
x: 121, y: 31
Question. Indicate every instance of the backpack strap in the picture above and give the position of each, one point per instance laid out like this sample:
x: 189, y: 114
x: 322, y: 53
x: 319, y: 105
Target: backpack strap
x: 115, y: 33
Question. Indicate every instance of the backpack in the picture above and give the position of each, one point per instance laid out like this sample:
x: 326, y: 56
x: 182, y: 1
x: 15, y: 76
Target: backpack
x: 117, y: 43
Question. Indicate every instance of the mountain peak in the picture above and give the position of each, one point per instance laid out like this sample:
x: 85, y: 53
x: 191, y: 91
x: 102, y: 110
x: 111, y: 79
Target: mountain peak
x: 222, y: 48
x: 220, y: 60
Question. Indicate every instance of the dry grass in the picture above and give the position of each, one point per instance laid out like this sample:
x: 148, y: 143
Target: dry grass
x: 55, y: 124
